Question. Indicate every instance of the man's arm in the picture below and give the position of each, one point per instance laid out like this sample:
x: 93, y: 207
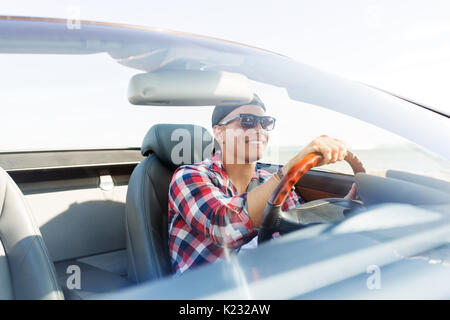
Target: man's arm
x: 208, y: 210
x: 331, y: 149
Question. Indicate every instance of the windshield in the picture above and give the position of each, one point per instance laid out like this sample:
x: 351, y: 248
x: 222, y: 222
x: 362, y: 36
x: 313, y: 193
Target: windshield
x: 74, y: 102
x: 379, y: 150
x: 79, y: 101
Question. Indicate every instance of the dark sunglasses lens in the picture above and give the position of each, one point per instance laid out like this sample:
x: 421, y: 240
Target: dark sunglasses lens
x: 268, y: 123
x: 248, y: 121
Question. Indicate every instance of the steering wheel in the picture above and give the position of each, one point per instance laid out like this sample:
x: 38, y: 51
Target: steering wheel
x: 326, y: 210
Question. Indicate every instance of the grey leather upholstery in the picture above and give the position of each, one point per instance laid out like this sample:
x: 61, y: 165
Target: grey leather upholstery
x: 166, y: 146
x: 26, y: 268
x: 94, y: 281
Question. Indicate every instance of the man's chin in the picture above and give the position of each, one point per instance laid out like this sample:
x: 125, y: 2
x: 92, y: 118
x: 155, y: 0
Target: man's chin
x: 252, y: 158
x: 251, y: 155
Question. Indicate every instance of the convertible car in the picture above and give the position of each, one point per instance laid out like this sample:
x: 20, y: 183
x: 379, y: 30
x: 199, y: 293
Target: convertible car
x: 97, y: 116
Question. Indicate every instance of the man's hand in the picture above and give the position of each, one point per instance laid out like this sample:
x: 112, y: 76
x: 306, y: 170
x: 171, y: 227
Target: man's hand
x: 352, y: 193
x: 332, y: 150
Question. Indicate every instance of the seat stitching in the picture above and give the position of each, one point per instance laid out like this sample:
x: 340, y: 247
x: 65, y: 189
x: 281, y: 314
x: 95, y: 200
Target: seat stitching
x: 133, y: 264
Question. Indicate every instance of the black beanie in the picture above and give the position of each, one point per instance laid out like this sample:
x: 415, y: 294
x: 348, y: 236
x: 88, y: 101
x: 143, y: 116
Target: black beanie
x: 221, y: 112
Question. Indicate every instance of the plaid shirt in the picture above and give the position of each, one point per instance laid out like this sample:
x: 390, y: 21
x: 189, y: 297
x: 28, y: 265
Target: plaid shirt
x: 207, y: 215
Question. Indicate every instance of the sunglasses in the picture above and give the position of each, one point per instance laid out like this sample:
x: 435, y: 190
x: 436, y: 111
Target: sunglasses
x: 250, y: 121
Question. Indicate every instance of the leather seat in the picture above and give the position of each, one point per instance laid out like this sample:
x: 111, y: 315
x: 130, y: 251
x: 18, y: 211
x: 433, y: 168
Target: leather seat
x: 165, y: 146
x: 26, y: 270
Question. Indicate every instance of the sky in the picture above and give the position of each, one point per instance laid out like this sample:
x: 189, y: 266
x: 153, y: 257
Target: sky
x: 401, y: 46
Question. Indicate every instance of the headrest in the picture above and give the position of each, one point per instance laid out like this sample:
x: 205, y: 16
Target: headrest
x: 178, y: 144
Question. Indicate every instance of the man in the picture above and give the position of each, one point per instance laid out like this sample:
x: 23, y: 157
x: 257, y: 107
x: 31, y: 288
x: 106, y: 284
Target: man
x: 215, y: 206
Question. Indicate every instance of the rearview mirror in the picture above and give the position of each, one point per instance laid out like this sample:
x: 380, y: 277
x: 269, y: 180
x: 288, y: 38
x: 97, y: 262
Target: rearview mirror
x: 189, y: 88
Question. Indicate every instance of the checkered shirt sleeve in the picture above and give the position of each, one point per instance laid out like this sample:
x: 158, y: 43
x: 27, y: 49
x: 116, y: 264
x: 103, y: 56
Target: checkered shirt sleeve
x: 208, y: 209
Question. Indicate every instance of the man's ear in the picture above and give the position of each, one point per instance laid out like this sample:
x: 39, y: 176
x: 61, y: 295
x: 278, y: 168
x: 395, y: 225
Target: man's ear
x: 218, y: 133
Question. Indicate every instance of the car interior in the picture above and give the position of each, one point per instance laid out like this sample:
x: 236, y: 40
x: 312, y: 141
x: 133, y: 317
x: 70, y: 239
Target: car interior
x: 113, y: 215
x: 115, y: 231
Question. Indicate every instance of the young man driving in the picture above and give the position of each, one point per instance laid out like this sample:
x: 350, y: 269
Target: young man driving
x: 215, y: 207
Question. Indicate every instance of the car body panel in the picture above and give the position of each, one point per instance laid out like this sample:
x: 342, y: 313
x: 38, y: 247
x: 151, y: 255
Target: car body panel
x: 309, y: 260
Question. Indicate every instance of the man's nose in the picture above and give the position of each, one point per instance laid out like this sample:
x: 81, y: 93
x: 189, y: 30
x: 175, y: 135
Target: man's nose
x: 258, y: 126
x: 258, y: 131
